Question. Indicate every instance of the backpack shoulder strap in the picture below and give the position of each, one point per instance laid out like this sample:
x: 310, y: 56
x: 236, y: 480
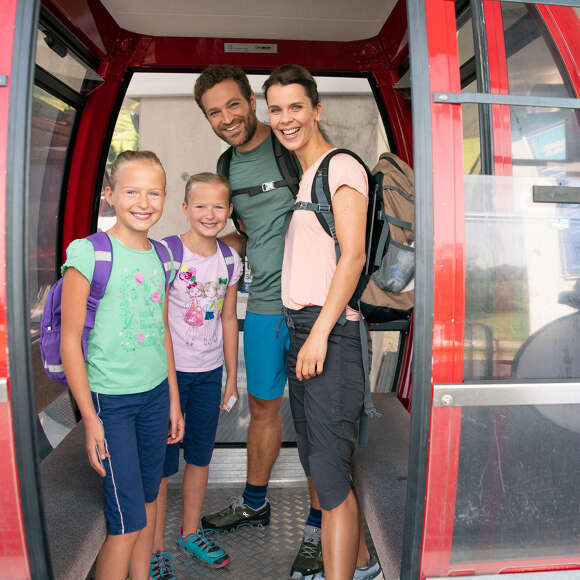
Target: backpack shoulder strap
x: 165, y: 259
x: 228, y: 257
x: 103, y: 263
x: 223, y: 163
x: 175, y: 244
x: 287, y: 165
x: 321, y: 198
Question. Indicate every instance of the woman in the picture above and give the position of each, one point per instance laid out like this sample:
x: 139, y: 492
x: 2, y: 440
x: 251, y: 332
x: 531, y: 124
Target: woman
x: 325, y: 368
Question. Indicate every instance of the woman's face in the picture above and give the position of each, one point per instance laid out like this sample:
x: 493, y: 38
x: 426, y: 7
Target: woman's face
x: 293, y: 118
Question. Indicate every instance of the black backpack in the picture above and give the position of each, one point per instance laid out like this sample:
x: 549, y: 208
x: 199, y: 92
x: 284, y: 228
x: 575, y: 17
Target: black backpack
x: 288, y: 167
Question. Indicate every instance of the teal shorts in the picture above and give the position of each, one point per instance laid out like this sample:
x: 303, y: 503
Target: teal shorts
x: 266, y: 344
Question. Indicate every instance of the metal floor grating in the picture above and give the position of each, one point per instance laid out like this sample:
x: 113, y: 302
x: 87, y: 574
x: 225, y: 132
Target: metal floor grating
x: 256, y: 553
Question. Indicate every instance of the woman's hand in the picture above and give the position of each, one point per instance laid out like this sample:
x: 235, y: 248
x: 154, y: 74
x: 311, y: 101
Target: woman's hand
x: 176, y: 425
x: 95, y: 444
x: 310, y: 359
x: 231, y: 390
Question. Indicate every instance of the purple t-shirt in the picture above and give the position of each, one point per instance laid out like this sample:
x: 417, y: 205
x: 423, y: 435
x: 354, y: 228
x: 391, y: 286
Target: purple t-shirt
x: 195, y: 303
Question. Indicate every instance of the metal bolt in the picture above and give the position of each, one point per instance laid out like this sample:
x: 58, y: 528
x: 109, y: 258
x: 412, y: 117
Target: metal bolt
x: 447, y: 400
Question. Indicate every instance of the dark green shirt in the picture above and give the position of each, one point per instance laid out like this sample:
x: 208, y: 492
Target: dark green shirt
x: 263, y: 216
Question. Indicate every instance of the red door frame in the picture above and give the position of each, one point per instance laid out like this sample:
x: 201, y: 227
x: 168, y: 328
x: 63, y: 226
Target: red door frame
x: 449, y: 291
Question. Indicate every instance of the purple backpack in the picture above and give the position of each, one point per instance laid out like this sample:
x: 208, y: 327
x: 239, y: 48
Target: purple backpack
x: 175, y: 244
x: 51, y: 315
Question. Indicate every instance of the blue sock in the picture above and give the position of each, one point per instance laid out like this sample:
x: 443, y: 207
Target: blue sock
x: 314, y: 518
x: 255, y: 495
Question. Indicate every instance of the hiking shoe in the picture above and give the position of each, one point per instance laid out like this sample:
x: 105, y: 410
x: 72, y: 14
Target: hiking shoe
x: 161, y: 568
x: 208, y: 553
x: 371, y: 572
x: 308, y: 561
x: 237, y: 515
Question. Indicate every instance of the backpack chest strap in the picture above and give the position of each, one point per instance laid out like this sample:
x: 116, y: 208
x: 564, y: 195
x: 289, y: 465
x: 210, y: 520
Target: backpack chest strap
x: 266, y: 186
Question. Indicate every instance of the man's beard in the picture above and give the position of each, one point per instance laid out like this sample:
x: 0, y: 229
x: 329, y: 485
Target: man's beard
x: 250, y: 125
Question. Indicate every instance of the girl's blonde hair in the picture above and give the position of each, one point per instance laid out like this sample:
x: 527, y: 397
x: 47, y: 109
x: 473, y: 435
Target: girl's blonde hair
x: 207, y: 177
x: 130, y: 156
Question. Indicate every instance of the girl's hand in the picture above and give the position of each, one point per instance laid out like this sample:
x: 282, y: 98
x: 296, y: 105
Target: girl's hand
x: 310, y: 359
x: 176, y: 425
x: 95, y: 444
x: 231, y: 389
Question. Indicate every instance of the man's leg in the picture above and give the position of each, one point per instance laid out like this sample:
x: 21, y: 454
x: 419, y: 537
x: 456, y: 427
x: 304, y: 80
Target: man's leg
x: 264, y: 438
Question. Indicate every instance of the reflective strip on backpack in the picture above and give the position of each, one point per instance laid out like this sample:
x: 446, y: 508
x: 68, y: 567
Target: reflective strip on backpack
x: 53, y: 368
x: 228, y: 260
x: 102, y: 256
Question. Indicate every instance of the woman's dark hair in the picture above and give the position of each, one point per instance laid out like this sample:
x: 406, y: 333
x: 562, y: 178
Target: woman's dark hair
x: 290, y: 74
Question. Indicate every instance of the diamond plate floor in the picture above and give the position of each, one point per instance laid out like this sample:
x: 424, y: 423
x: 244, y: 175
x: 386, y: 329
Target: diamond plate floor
x: 256, y: 553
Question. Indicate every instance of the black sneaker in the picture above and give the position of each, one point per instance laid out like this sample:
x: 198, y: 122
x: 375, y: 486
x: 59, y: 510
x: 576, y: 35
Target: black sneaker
x: 237, y: 515
x: 308, y: 561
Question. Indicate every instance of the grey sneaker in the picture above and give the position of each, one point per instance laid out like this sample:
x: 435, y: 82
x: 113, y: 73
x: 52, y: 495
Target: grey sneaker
x: 371, y: 572
x: 308, y: 561
x: 237, y: 515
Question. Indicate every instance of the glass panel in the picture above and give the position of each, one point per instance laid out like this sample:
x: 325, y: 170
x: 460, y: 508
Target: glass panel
x: 517, y: 485
x: 52, y: 125
x: 531, y: 67
x: 522, y: 275
x: 54, y: 57
x: 471, y: 137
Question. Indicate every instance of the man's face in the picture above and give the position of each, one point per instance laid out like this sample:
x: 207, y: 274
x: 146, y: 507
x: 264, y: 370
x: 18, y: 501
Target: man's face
x: 230, y: 115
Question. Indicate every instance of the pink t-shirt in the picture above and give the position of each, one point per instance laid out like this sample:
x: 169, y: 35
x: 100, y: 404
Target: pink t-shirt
x: 195, y: 303
x: 309, y: 255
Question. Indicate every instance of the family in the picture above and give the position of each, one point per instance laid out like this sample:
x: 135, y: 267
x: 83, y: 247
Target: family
x: 157, y: 351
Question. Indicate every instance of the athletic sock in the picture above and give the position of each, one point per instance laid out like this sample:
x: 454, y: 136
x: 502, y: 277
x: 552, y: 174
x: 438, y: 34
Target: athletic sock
x: 255, y: 495
x: 314, y: 518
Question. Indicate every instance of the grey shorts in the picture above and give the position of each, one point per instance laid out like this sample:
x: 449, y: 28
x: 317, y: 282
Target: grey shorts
x: 326, y: 408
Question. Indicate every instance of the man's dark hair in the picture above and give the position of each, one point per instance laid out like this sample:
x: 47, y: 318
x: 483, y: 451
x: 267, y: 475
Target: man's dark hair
x: 215, y: 74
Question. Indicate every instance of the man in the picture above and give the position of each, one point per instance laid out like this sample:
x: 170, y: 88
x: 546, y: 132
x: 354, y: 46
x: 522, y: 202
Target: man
x: 224, y: 95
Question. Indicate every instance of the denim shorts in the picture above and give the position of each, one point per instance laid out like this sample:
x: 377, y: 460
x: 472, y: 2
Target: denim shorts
x: 327, y: 407
x: 135, y: 437
x: 266, y: 345
x: 200, y: 397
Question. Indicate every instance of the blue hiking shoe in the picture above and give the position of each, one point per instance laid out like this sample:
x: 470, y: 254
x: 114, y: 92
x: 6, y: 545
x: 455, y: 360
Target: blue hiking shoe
x: 198, y: 546
x: 161, y: 568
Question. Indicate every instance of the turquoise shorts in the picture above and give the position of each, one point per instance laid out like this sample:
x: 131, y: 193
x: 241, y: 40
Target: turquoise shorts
x: 266, y: 344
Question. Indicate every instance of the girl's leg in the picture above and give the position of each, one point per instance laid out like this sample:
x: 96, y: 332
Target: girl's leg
x: 114, y: 557
x: 340, y: 539
x: 158, y: 534
x: 141, y: 556
x: 194, y: 486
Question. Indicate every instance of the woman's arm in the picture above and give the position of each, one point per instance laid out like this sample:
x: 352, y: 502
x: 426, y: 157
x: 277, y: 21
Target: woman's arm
x: 75, y: 292
x: 229, y: 318
x: 349, y: 207
x: 176, y: 423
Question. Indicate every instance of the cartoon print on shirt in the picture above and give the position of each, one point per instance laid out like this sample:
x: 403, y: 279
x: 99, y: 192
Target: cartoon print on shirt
x: 142, y: 317
x: 211, y: 293
x: 193, y: 312
x: 221, y: 293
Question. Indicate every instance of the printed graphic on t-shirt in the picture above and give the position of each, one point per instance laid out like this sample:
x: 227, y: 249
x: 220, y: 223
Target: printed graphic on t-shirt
x: 142, y: 322
x: 205, y: 300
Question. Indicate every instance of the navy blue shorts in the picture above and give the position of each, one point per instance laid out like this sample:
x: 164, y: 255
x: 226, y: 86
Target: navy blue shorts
x: 135, y: 438
x: 200, y: 396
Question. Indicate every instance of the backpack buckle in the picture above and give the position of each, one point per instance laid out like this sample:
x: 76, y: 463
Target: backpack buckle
x: 268, y: 186
x: 324, y: 208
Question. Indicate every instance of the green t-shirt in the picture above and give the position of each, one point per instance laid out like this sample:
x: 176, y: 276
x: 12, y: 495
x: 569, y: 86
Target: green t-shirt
x: 125, y: 352
x: 263, y: 216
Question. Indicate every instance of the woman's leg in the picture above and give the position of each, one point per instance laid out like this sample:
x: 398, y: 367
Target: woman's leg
x: 340, y: 539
